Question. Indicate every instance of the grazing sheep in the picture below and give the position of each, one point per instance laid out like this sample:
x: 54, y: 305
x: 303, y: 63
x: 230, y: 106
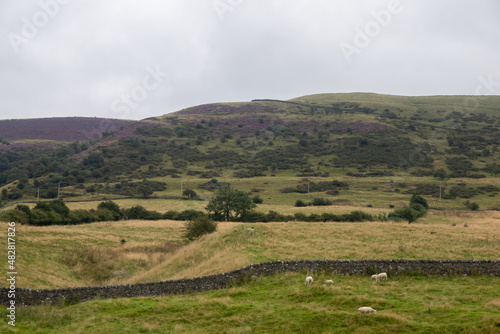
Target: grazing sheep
x: 250, y: 229
x: 328, y: 281
x: 366, y: 310
x: 382, y: 276
x: 375, y: 278
x: 309, y: 280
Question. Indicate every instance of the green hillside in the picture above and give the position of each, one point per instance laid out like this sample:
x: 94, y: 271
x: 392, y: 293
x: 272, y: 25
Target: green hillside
x: 420, y: 143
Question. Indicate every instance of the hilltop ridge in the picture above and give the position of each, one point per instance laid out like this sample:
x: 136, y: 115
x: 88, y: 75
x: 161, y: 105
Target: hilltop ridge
x: 345, y: 134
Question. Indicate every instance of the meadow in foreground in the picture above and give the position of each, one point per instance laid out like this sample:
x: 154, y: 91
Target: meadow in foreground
x: 282, y: 304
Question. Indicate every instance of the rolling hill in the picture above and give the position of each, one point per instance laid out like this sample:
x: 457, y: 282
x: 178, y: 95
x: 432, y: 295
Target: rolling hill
x: 61, y: 129
x: 360, y: 135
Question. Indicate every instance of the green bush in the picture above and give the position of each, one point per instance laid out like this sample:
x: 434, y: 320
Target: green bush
x: 198, y: 226
x: 171, y: 214
x: 254, y: 217
x: 321, y: 202
x: 300, y: 203
x: 417, y: 199
x: 188, y: 214
x: 189, y: 193
x: 113, y: 208
x: 257, y: 199
x: 139, y: 212
x: 471, y: 205
x: 299, y: 216
x: 406, y: 213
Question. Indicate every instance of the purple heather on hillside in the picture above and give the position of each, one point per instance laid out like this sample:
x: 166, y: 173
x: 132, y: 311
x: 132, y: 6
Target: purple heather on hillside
x: 248, y: 124
x: 218, y: 108
x: 66, y: 129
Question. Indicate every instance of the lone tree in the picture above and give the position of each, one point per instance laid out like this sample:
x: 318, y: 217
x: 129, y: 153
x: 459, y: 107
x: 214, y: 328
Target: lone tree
x: 145, y: 191
x: 229, y: 203
x: 189, y: 193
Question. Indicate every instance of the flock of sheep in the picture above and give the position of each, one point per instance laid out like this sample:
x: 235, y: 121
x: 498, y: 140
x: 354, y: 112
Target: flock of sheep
x: 364, y: 309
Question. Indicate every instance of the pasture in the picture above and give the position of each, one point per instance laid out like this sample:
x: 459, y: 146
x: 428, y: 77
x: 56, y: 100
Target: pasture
x: 282, y: 304
x: 125, y: 252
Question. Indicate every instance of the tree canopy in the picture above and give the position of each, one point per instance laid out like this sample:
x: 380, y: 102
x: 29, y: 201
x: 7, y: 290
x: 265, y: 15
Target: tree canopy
x: 229, y: 203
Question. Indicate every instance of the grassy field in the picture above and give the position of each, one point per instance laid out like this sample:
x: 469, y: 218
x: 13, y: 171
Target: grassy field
x: 126, y: 252
x: 363, y: 194
x: 139, y: 251
x: 282, y: 304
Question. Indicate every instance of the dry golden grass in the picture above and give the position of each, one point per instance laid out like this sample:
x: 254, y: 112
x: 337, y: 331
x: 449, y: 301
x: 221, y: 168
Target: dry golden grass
x: 60, y: 256
x: 232, y: 247
x: 40, y: 251
x: 493, y: 304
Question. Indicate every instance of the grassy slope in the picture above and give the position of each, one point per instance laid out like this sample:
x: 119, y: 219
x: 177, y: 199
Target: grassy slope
x: 460, y: 103
x: 281, y: 304
x: 92, y: 254
x: 362, y: 192
x: 277, y: 304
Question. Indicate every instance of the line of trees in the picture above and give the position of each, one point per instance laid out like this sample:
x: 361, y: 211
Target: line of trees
x: 57, y: 213
x: 227, y: 204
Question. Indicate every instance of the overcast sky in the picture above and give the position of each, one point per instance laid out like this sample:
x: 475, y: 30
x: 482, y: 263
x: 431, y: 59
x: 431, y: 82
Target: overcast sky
x: 136, y: 59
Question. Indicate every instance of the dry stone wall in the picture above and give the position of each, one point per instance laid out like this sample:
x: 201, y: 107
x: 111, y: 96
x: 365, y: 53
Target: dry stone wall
x: 26, y: 296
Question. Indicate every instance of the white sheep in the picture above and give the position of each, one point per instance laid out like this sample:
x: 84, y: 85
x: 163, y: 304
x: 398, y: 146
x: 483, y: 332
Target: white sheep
x: 250, y: 229
x: 309, y: 280
x: 375, y: 278
x: 328, y: 281
x: 366, y: 310
x: 382, y: 276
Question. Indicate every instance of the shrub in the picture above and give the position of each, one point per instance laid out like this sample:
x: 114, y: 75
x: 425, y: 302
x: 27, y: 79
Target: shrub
x: 139, y: 212
x: 471, y: 205
x: 254, y: 217
x: 80, y: 216
x: 188, y: 215
x: 461, y: 191
x: 103, y: 215
x: 171, y: 214
x: 406, y: 213
x: 257, y: 199
x: 189, y: 193
x: 299, y: 216
x: 417, y: 199
x: 198, y: 226
x: 300, y: 203
x: 113, y: 208
x: 321, y: 202
x: 358, y: 216
x: 15, y: 215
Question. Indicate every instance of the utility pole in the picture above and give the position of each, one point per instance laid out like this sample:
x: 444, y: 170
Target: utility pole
x: 307, y: 190
x: 181, y: 188
x: 439, y: 193
x: 38, y: 195
x: 58, y: 189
